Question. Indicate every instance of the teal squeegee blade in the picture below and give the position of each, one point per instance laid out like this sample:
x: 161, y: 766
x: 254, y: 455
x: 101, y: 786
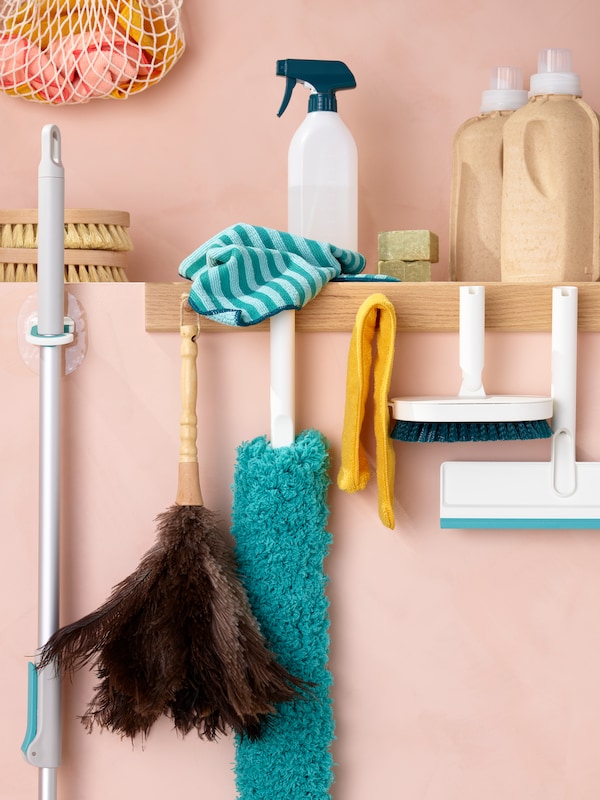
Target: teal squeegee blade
x: 520, y: 523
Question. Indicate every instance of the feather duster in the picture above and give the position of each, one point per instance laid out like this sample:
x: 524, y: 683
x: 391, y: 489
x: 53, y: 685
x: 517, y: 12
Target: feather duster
x: 178, y: 636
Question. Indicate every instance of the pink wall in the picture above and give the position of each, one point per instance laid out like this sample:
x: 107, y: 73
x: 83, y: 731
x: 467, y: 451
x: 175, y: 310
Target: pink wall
x: 466, y: 663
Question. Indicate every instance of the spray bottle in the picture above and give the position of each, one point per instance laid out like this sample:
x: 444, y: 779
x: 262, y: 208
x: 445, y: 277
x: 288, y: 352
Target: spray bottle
x: 322, y: 205
x: 322, y: 157
x: 476, y: 197
x: 551, y: 189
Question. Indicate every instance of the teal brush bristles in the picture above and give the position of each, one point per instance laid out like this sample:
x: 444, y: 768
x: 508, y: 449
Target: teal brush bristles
x: 471, y: 415
x: 404, y: 431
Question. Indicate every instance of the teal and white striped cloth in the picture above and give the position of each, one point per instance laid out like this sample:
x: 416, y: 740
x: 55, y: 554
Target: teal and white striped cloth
x: 248, y: 273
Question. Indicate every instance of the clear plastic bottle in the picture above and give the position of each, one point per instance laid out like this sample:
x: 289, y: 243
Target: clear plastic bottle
x: 476, y: 195
x: 551, y: 188
x: 322, y: 157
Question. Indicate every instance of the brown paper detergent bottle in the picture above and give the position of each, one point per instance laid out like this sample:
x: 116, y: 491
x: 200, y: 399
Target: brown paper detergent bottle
x: 476, y: 194
x: 551, y: 188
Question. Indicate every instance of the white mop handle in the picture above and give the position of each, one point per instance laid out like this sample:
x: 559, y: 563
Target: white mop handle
x: 51, y: 202
x: 42, y: 747
x: 471, y: 340
x: 564, y: 388
x: 283, y: 357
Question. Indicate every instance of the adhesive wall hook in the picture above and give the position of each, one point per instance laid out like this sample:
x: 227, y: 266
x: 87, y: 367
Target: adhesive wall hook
x: 73, y: 340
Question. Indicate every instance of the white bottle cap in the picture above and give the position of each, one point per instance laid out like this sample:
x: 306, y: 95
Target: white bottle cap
x: 555, y: 74
x: 506, y: 91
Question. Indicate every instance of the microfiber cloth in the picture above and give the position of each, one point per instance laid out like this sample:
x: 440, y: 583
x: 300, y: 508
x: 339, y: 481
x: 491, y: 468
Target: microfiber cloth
x: 375, y: 321
x: 248, y: 273
x: 279, y: 523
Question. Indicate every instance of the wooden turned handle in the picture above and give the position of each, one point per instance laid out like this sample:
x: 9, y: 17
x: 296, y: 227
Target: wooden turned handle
x: 188, y: 487
x: 96, y: 258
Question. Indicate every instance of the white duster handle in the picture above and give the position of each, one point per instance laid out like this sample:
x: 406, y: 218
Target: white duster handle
x: 282, y: 348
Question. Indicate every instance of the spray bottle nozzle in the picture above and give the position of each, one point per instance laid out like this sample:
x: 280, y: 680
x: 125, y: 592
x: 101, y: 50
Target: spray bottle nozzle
x: 325, y: 78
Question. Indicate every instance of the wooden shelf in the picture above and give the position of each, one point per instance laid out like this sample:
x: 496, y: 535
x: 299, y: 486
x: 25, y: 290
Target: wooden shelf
x: 420, y: 307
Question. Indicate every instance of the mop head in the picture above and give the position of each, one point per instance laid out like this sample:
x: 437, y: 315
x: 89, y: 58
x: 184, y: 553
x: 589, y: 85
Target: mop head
x: 279, y: 519
x: 177, y: 637
x: 405, y: 431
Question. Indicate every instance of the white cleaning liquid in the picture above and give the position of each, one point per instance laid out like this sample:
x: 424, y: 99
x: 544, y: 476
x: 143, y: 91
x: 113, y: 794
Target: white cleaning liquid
x: 326, y: 213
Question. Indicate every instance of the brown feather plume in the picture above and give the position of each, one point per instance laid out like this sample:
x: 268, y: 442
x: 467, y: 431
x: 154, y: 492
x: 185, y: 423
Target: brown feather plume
x: 177, y: 637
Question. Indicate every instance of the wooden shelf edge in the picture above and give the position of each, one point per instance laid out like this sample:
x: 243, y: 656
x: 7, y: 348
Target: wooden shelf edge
x: 420, y: 307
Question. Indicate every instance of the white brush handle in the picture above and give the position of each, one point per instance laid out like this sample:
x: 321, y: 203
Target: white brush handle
x: 282, y: 348
x: 564, y: 388
x: 471, y: 340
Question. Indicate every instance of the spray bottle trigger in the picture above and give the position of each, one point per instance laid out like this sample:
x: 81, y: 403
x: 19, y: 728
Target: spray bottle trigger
x: 289, y: 88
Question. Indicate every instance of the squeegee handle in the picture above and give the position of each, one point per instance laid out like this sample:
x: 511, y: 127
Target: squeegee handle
x: 188, y: 487
x: 471, y: 340
x: 564, y: 388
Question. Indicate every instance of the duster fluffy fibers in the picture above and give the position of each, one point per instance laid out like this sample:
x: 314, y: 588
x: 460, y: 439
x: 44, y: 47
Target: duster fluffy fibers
x: 177, y: 637
x: 279, y: 519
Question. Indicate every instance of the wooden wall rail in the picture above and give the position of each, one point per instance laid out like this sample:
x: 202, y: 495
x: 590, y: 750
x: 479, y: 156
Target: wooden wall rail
x: 421, y: 307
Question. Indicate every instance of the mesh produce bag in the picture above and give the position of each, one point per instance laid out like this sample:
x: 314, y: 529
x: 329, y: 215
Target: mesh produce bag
x: 71, y: 51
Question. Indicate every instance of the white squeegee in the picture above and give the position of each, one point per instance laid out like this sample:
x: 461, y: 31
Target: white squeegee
x: 560, y: 493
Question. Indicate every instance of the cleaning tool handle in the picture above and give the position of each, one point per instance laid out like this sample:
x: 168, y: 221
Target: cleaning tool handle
x: 282, y: 353
x: 42, y: 745
x: 51, y: 212
x: 188, y: 487
x: 564, y: 388
x: 471, y: 340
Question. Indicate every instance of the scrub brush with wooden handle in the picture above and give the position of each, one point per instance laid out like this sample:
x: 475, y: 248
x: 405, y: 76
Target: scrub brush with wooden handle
x: 178, y: 636
x: 85, y: 229
x: 19, y: 265
x: 96, y: 243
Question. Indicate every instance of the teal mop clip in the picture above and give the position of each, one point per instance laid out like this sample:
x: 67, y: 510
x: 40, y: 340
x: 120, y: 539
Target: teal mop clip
x: 41, y: 747
x: 32, y: 707
x: 33, y: 336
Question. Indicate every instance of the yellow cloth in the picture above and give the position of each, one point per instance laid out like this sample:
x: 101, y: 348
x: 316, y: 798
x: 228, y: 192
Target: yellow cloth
x: 376, y: 315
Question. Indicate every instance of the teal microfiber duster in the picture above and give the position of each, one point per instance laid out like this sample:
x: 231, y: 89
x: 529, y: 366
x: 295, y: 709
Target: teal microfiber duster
x: 279, y: 519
